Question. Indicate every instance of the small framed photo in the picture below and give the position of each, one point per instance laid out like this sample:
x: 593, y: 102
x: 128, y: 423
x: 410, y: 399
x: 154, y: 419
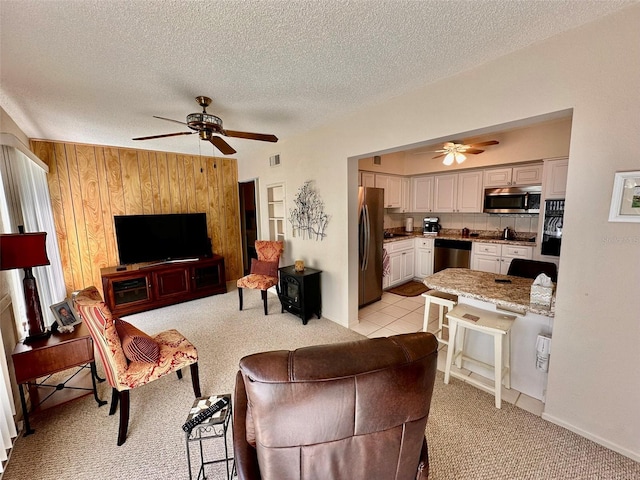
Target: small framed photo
x: 625, y: 200
x: 65, y: 314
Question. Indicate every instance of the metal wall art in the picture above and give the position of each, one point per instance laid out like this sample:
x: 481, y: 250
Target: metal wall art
x: 307, y: 217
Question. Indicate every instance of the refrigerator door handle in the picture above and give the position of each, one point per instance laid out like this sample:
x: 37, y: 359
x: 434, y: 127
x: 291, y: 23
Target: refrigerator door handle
x: 367, y: 238
x: 361, y: 226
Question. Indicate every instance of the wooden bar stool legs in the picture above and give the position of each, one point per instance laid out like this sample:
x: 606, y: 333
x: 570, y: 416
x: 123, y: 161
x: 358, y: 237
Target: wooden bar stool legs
x: 464, y: 317
x: 443, y: 300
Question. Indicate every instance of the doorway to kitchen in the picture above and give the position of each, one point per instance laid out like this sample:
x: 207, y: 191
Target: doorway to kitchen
x: 248, y: 222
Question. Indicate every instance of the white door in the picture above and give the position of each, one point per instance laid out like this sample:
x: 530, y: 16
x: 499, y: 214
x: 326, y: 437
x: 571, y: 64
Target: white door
x: 422, y: 197
x: 470, y: 192
x: 424, y: 263
x: 445, y: 192
x: 486, y: 263
x: 395, y: 267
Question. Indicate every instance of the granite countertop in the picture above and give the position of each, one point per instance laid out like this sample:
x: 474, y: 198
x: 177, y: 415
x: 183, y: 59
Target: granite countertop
x: 482, y: 286
x: 457, y: 236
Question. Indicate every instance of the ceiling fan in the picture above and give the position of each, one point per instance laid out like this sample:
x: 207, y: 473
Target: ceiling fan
x: 209, y: 127
x: 455, y: 150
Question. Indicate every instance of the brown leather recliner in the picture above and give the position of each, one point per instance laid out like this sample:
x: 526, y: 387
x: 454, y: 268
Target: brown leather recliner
x: 355, y: 410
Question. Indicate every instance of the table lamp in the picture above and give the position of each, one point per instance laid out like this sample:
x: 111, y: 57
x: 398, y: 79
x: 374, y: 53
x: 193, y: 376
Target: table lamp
x: 27, y: 250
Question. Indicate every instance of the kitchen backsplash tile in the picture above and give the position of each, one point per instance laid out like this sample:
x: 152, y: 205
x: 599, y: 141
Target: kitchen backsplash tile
x: 473, y: 221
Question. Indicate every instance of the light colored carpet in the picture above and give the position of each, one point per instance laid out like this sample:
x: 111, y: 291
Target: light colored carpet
x: 468, y: 437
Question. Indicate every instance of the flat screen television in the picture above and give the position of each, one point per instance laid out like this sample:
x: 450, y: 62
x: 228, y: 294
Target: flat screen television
x: 149, y: 238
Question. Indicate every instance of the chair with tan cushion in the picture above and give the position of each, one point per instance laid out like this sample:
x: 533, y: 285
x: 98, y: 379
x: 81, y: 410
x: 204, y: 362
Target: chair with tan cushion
x: 130, y: 357
x: 354, y: 410
x: 264, y: 270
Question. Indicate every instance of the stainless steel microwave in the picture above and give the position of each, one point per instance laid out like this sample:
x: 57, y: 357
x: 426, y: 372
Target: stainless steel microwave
x: 512, y: 199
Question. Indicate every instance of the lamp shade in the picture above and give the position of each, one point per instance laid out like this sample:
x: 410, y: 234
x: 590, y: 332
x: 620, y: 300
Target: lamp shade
x: 23, y: 250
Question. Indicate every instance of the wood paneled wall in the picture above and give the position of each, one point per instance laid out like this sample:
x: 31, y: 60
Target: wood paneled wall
x: 89, y: 184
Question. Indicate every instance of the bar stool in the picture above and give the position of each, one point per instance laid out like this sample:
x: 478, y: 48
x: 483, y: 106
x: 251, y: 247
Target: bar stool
x: 498, y: 325
x: 442, y: 300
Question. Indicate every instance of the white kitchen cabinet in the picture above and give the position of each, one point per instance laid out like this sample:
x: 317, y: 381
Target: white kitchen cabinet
x: 470, y: 192
x: 401, y: 262
x: 424, y: 258
x: 367, y: 179
x: 392, y: 185
x: 445, y: 192
x: 555, y: 178
x: 422, y: 194
x: 530, y: 174
x: 405, y: 204
x: 495, y: 257
x: 458, y: 192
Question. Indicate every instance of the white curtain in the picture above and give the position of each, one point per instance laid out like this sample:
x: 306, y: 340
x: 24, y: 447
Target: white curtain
x: 26, y: 201
x: 7, y: 407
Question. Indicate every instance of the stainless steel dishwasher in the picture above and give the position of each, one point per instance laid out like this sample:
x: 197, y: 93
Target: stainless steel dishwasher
x: 451, y: 254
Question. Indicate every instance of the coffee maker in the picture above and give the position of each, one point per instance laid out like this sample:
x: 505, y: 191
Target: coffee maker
x: 430, y: 225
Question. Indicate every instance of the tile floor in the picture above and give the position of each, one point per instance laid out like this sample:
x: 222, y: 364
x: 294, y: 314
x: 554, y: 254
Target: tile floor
x: 395, y: 314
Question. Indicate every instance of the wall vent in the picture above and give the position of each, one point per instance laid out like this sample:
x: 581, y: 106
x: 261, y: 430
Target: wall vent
x: 274, y: 160
x: 377, y: 160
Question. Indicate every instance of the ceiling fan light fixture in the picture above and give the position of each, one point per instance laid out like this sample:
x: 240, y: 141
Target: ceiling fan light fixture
x: 460, y: 157
x: 448, y: 159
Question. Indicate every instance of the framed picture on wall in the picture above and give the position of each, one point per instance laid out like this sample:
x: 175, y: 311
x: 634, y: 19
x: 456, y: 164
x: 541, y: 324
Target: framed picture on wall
x: 65, y: 315
x: 625, y: 200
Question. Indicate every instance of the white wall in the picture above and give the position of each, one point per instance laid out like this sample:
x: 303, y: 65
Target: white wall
x: 594, y: 385
x: 547, y: 139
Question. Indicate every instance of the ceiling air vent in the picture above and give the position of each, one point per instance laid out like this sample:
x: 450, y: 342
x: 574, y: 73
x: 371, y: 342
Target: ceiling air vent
x: 274, y: 160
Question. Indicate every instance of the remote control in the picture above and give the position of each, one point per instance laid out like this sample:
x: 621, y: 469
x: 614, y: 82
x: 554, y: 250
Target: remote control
x: 206, y: 413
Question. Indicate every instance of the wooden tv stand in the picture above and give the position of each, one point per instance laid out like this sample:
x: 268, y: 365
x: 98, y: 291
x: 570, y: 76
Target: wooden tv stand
x: 143, y: 287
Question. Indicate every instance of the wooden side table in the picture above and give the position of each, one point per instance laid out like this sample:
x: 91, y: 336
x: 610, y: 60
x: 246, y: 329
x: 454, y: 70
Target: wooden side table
x: 43, y: 358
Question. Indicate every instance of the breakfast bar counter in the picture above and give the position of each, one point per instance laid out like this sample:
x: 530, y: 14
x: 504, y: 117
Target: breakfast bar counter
x: 512, y: 296
x: 480, y: 290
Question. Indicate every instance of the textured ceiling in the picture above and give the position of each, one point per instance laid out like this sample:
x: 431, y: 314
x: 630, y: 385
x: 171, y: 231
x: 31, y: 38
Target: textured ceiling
x: 97, y: 71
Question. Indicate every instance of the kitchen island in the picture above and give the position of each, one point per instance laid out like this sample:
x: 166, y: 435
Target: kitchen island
x: 473, y: 284
x: 480, y: 290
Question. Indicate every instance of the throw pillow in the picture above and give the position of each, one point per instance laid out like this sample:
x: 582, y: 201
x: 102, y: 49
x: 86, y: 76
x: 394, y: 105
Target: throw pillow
x: 260, y: 267
x: 137, y: 345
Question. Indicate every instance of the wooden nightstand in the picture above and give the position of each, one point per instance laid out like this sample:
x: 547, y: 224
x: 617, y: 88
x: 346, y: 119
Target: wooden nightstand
x: 42, y: 358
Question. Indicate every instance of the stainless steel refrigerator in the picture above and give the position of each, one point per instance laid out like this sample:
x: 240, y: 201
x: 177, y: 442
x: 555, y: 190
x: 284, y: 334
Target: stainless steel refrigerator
x: 371, y: 233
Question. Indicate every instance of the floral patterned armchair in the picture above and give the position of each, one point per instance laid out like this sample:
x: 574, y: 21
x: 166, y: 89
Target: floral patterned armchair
x: 129, y: 356
x: 264, y: 270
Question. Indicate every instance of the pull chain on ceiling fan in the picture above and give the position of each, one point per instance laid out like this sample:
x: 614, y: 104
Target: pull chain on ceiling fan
x: 208, y: 127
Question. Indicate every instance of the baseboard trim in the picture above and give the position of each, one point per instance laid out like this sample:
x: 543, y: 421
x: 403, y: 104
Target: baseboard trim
x: 635, y: 456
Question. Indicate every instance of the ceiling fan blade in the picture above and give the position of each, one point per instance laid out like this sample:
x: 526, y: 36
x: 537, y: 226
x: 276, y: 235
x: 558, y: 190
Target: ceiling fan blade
x: 473, y: 150
x: 441, y: 155
x: 251, y: 136
x: 162, y: 136
x: 484, y: 144
x: 221, y: 145
x: 170, y: 120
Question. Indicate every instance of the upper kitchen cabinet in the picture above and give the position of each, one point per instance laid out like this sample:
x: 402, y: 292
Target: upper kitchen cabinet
x: 405, y: 206
x: 458, y: 192
x: 530, y: 174
x: 367, y: 179
x: 392, y: 186
x: 422, y: 197
x: 555, y: 178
